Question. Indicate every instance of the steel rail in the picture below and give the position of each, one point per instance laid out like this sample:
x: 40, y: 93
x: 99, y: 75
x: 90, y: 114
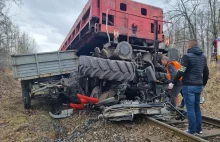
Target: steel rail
x: 211, y: 121
x: 181, y: 134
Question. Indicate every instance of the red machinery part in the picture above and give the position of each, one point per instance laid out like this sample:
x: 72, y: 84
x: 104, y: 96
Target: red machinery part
x: 77, y: 106
x: 218, y: 48
x: 84, y: 100
x: 89, y: 99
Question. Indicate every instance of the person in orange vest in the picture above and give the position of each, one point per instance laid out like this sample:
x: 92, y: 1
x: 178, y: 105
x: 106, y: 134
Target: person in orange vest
x: 171, y: 68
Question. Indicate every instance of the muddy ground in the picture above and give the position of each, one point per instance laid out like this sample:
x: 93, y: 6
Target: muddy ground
x: 17, y: 124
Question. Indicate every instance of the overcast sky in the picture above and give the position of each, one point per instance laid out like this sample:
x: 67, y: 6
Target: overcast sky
x: 49, y: 21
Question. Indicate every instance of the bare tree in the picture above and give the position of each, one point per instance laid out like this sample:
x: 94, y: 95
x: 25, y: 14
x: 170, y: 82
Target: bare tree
x: 213, y: 13
x: 185, y: 10
x: 12, y: 40
x: 194, y: 19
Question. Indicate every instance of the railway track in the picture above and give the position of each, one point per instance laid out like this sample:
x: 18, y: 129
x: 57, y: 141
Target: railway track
x: 211, y: 129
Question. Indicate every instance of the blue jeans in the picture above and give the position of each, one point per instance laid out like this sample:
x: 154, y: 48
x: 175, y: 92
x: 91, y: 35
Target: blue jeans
x: 191, y: 95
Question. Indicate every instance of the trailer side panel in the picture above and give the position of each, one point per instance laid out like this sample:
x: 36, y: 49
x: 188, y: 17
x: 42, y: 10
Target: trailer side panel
x: 39, y: 65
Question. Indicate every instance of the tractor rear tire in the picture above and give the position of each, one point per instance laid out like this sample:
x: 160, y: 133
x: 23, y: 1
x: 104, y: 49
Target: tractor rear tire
x: 26, y: 94
x: 106, y: 69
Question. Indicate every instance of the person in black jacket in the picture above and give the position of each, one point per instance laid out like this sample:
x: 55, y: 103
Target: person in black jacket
x: 195, y: 75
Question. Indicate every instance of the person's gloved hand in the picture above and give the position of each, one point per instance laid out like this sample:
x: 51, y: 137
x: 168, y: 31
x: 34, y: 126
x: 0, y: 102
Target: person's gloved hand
x: 170, y: 86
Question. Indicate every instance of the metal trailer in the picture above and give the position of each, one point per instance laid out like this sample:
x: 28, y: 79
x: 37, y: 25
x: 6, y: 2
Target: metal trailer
x: 40, y: 71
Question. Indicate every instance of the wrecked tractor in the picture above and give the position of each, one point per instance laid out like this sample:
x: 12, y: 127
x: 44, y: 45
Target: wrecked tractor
x: 124, y: 82
x: 121, y: 82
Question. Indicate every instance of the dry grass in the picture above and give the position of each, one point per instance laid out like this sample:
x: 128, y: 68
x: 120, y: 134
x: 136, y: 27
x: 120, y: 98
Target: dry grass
x: 212, y: 92
x: 15, y: 122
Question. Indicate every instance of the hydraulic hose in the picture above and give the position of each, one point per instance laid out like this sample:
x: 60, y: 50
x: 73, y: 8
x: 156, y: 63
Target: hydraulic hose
x: 107, y: 25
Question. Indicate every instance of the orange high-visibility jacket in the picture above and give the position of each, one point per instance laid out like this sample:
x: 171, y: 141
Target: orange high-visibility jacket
x: 177, y: 66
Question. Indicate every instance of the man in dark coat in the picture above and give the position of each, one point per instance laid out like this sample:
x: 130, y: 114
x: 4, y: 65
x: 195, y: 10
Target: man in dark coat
x: 195, y: 73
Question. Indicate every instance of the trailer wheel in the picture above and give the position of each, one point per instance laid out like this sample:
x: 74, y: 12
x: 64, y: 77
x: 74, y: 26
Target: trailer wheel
x: 106, y: 69
x: 26, y: 94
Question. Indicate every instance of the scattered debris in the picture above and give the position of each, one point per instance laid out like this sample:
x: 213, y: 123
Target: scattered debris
x: 64, y: 114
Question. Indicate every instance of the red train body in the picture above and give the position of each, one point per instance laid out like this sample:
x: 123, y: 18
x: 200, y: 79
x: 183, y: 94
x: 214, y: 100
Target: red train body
x: 132, y: 20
